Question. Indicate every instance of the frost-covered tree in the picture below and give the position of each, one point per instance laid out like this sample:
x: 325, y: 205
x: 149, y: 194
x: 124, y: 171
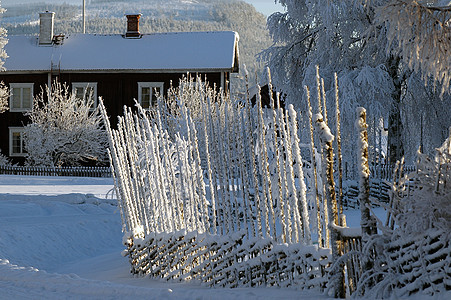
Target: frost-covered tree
x: 356, y: 40
x: 64, y: 130
x: 420, y: 32
x: 4, y: 92
x: 3, y: 42
x: 4, y: 96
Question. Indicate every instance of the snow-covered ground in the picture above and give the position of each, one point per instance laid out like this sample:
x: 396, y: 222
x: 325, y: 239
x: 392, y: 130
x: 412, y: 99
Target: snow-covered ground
x: 60, y: 238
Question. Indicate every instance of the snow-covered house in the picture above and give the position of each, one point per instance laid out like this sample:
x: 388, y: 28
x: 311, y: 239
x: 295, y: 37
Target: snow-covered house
x: 119, y: 68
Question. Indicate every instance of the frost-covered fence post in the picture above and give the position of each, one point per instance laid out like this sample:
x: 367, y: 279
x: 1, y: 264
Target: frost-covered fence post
x: 339, y: 155
x: 200, y: 191
x: 229, y: 122
x: 323, y: 93
x: 366, y: 221
x: 302, y: 190
x: 327, y: 139
x: 267, y: 189
x: 323, y: 170
x: 315, y: 177
x: 211, y: 184
x: 250, y: 146
x: 214, y: 184
x: 112, y: 155
x: 364, y: 173
x: 277, y: 130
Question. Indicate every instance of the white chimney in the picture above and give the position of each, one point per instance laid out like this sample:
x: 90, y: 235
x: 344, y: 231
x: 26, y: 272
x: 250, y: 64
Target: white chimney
x: 46, y: 28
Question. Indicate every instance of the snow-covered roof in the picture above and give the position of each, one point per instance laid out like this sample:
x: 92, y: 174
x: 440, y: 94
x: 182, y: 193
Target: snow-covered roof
x: 180, y: 51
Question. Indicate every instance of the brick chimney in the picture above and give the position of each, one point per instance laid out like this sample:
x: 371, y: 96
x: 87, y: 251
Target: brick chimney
x: 133, y: 26
x: 46, y: 28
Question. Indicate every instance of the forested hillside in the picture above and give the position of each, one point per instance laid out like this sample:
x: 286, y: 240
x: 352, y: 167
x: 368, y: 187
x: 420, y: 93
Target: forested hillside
x: 107, y: 17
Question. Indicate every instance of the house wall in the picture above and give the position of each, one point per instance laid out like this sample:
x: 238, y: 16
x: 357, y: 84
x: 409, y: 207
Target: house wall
x: 17, y: 119
x: 117, y: 90
x: 121, y: 89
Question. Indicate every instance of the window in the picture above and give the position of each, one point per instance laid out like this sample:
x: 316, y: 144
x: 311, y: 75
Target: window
x: 84, y: 90
x: 148, y: 92
x: 21, y: 97
x: 16, y: 141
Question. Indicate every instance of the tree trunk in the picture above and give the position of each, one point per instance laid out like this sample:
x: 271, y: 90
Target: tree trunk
x: 395, y: 128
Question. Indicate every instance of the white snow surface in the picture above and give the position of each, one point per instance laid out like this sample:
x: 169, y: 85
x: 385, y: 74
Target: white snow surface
x: 59, y: 241
x: 183, y: 51
x: 60, y: 238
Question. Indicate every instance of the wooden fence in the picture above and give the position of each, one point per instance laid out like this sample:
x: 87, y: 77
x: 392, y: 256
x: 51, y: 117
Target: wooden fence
x: 379, y: 189
x: 64, y: 171
x: 385, y: 171
x: 228, y: 261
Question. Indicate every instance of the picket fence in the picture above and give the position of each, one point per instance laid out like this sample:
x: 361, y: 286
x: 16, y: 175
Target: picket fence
x: 63, y: 171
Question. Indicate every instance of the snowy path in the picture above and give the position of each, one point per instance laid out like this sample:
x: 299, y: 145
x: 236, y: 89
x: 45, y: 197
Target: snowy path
x: 58, y: 241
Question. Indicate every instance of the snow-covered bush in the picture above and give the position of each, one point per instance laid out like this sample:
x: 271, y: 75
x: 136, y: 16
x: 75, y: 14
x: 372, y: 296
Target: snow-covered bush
x: 64, y: 130
x: 413, y: 253
x: 427, y: 203
x: 4, y: 160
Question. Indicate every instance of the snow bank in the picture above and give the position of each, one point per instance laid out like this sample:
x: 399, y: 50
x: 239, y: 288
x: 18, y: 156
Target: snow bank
x: 68, y: 247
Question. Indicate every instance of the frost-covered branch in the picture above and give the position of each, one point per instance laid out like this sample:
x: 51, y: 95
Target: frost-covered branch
x: 420, y: 31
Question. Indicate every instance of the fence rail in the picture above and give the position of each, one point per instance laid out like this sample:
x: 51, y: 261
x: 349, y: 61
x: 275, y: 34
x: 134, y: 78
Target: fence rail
x: 228, y: 261
x: 385, y: 171
x: 63, y: 171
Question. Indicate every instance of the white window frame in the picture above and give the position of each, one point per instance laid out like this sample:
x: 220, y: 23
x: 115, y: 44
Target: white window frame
x: 12, y: 130
x: 21, y: 86
x: 84, y: 86
x: 150, y: 85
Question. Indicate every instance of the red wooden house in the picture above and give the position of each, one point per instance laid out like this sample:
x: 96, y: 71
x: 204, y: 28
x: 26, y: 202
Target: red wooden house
x: 119, y: 68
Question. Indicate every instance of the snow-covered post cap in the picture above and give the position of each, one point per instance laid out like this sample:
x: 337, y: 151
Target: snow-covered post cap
x: 360, y: 123
x: 323, y: 130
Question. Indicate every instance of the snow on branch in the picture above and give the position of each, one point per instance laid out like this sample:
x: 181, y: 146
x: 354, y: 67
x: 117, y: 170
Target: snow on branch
x: 420, y: 32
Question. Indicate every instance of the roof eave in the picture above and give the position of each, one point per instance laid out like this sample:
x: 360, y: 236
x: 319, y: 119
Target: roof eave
x: 203, y: 70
